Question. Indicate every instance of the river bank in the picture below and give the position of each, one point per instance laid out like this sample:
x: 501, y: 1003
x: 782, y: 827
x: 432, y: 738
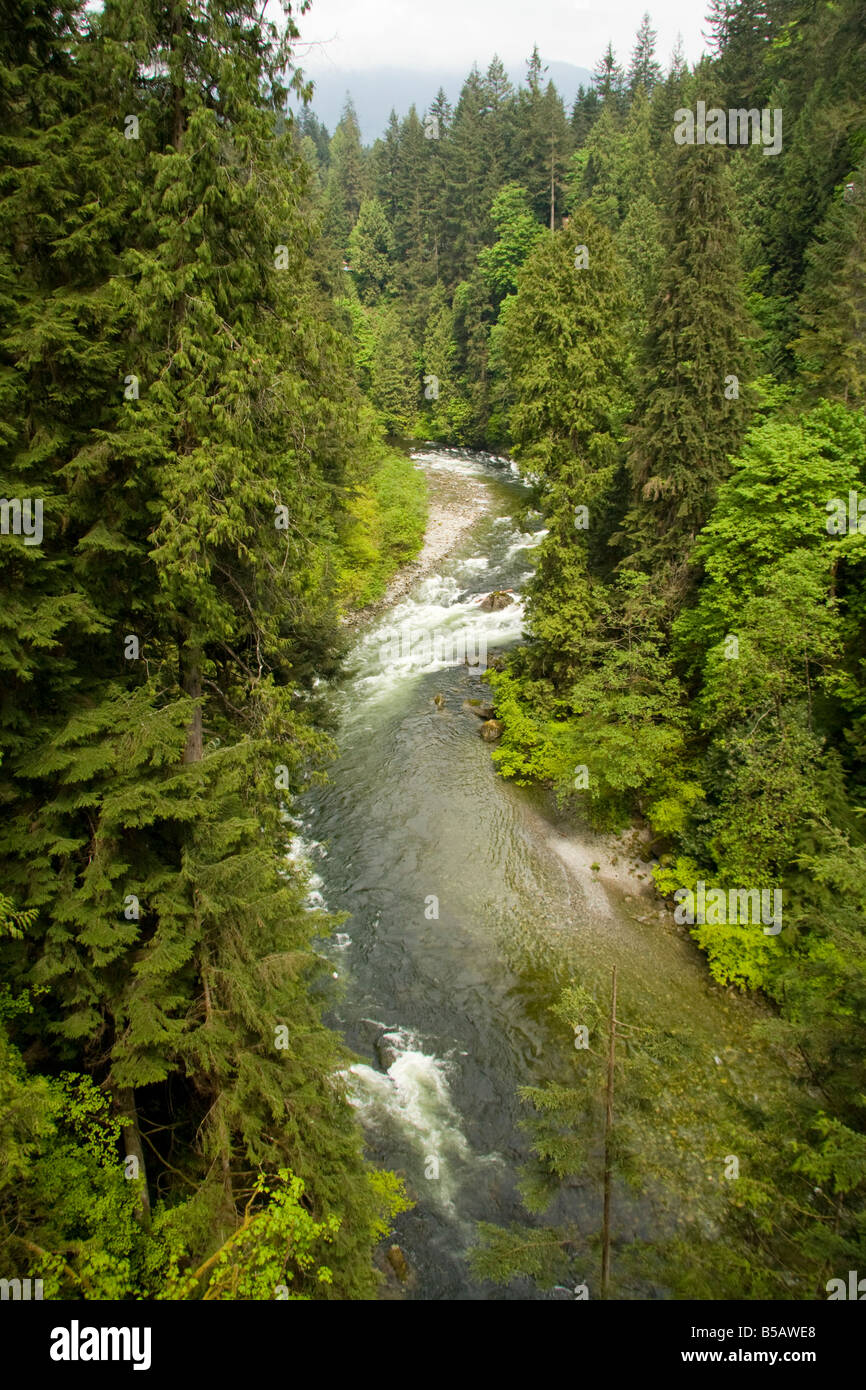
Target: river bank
x: 471, y: 903
x: 457, y: 499
x: 455, y: 502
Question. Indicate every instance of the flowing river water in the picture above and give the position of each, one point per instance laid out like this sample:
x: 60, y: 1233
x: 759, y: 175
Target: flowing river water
x: 451, y: 1012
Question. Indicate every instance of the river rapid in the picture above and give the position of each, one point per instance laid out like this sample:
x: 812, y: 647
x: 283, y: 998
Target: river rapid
x: 471, y: 904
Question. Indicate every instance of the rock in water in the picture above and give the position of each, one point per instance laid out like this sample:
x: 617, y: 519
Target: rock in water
x: 478, y: 708
x: 492, y: 729
x: 387, y: 1049
x: 398, y: 1263
x: 500, y: 598
x: 439, y: 701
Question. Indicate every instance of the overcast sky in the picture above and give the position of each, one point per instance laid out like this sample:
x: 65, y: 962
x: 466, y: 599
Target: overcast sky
x: 452, y: 34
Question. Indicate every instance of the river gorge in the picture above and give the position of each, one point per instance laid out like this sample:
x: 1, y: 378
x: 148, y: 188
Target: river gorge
x: 471, y: 902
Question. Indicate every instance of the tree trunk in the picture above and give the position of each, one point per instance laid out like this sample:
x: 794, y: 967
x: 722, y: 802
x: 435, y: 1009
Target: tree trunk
x: 177, y: 92
x: 223, y: 1140
x: 552, y: 189
x: 191, y: 681
x: 125, y: 1102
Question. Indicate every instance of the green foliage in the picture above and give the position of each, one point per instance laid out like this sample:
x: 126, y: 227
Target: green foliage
x: 720, y: 697
x: 66, y: 1212
x: 185, y: 363
x: 833, y: 304
x: 346, y: 183
x: 396, y: 386
x: 388, y: 515
x: 277, y: 1251
x: 371, y: 249
x: 517, y: 233
x: 180, y: 392
x: 690, y: 413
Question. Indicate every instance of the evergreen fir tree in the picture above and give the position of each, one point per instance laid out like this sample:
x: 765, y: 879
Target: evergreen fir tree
x: 560, y: 348
x: 690, y: 412
x: 187, y: 606
x: 832, y: 345
x: 584, y: 113
x: 371, y: 250
x: 347, y: 179
x: 644, y: 71
x: 609, y: 79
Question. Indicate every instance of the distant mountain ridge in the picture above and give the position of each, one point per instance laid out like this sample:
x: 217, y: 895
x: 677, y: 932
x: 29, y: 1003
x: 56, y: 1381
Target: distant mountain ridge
x: 375, y: 91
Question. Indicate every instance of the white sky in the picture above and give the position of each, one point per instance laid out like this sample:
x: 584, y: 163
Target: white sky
x: 449, y: 34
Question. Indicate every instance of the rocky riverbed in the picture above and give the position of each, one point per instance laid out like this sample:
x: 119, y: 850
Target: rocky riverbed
x: 455, y: 502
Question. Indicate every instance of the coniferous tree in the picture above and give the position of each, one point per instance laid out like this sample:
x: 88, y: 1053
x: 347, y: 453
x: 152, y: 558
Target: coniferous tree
x: 473, y: 311
x: 609, y: 80
x: 499, y: 128
x: 383, y: 167
x: 559, y: 346
x: 643, y: 70
x: 311, y: 128
x: 347, y: 179
x: 437, y: 129
x: 208, y: 422
x: 595, y: 175
x: 584, y: 113
x: 395, y: 385
x: 412, y: 231
x: 470, y: 190
x: 542, y: 140
x: 371, y: 250
x: 690, y: 412
x: 832, y: 344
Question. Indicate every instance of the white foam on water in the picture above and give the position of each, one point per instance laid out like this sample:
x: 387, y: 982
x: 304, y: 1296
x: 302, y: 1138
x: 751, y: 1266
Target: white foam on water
x: 524, y: 540
x: 414, y: 1096
x: 299, y: 858
x: 432, y: 630
x: 452, y: 463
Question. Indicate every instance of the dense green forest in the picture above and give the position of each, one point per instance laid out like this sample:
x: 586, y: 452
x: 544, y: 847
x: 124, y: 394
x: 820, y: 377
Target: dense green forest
x: 220, y: 325
x: 671, y: 340
x: 177, y: 388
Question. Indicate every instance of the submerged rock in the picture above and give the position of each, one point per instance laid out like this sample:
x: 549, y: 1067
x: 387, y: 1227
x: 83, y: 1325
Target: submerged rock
x: 398, y: 1262
x: 492, y: 729
x: 387, y: 1049
x: 439, y: 701
x: 478, y: 708
x: 500, y: 598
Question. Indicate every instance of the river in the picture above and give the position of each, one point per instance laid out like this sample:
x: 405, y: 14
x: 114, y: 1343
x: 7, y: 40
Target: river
x: 470, y: 905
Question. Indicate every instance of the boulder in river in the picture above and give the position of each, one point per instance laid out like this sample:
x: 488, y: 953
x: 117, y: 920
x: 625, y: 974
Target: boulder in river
x: 500, y: 598
x: 398, y: 1262
x: 387, y: 1049
x: 492, y: 729
x: 478, y: 707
